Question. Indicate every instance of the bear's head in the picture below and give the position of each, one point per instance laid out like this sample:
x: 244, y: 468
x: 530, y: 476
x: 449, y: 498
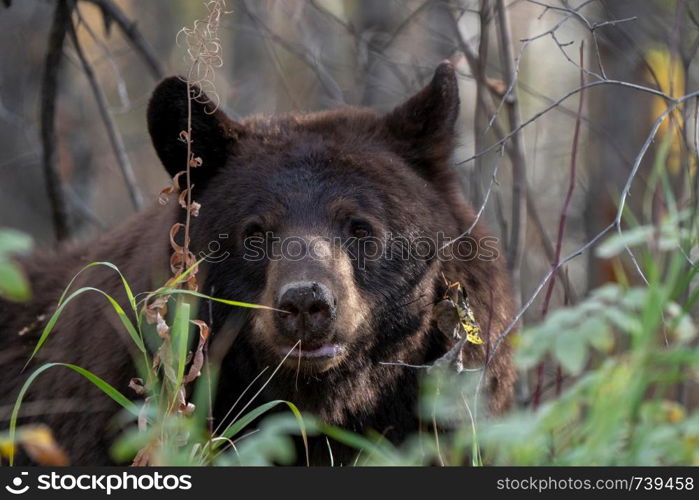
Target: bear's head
x: 333, y: 218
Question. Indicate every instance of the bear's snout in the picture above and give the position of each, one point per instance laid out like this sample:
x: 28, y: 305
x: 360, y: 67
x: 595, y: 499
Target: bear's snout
x: 309, y: 312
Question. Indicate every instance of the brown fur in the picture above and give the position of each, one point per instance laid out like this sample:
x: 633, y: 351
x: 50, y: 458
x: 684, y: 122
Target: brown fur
x: 295, y: 174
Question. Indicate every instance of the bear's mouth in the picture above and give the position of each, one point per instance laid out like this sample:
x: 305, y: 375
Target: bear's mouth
x: 312, y: 352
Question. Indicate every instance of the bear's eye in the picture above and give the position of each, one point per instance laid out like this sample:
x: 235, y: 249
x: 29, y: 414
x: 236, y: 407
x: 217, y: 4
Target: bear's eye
x: 254, y: 230
x: 359, y: 229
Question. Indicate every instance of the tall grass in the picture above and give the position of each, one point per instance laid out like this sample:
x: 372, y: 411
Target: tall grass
x: 162, y: 416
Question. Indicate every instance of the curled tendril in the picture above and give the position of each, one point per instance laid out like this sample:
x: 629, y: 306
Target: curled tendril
x: 203, y: 53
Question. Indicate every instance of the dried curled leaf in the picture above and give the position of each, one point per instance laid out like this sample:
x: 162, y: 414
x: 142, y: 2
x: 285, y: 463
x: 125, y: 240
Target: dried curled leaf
x: 194, y: 209
x: 155, y: 308
x: 38, y: 443
x: 182, y: 199
x: 187, y: 409
x: 136, y: 385
x: 176, y: 263
x: 446, y: 316
x: 454, y: 315
x: 162, y: 328
x: 176, y: 179
x: 468, y: 322
x: 143, y: 457
x: 173, y: 233
x: 198, y: 358
x: 193, y: 205
x: 173, y: 188
x: 143, y: 415
x: 163, y: 195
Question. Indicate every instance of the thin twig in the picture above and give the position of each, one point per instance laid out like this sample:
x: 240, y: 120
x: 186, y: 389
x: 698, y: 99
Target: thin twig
x: 133, y: 35
x: 477, y: 68
x: 493, y: 181
x: 615, y: 224
x: 112, y: 132
x: 569, y: 194
x: 533, y: 215
x: 107, y: 54
x: 562, y: 221
x: 331, y: 86
x: 558, y: 102
x: 49, y: 84
x: 519, y: 180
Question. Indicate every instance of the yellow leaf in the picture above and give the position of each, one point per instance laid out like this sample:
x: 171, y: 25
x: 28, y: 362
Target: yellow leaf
x: 39, y: 444
x: 667, y: 69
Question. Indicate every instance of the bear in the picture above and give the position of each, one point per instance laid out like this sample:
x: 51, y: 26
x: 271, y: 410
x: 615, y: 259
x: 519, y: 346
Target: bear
x: 348, y: 321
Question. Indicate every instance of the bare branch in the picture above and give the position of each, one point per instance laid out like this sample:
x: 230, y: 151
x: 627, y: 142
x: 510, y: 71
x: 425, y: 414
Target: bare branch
x: 49, y: 84
x: 558, y: 102
x: 562, y: 224
x: 324, y: 77
x: 132, y: 33
x: 616, y: 224
x: 519, y: 179
x: 112, y: 132
x: 569, y: 193
x: 493, y: 181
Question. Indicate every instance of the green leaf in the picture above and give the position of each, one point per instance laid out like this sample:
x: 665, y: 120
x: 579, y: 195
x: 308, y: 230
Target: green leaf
x: 616, y: 244
x: 683, y: 325
x: 14, y: 242
x: 533, y: 347
x: 597, y: 334
x: 570, y: 349
x: 13, y: 284
x: 100, y: 383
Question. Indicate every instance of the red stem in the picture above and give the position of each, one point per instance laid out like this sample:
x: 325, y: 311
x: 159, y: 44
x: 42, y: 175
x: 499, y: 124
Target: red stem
x: 561, y: 231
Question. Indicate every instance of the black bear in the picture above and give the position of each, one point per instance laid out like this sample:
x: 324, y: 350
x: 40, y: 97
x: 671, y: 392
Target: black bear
x: 304, y: 208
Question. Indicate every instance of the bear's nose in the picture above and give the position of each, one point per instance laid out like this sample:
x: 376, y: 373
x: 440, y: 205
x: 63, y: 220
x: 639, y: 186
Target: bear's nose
x: 309, y: 310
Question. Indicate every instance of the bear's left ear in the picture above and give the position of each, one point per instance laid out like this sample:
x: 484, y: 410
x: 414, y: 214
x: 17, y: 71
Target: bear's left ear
x: 214, y: 135
x: 423, y: 126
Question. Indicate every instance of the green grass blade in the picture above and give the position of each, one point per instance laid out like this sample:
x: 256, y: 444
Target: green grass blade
x: 246, y: 419
x: 174, y: 291
x: 100, y: 383
x: 355, y: 441
x: 187, y: 272
x: 127, y: 288
x: 180, y: 338
x: 249, y: 417
x: 302, y: 428
x: 117, y: 308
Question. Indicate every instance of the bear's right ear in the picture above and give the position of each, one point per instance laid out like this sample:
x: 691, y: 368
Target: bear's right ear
x: 213, y: 134
x: 423, y: 128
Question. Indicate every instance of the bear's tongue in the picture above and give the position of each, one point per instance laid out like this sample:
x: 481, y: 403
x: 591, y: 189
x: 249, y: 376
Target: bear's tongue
x: 323, y: 351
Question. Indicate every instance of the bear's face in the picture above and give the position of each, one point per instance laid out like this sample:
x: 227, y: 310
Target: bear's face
x: 330, y: 218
